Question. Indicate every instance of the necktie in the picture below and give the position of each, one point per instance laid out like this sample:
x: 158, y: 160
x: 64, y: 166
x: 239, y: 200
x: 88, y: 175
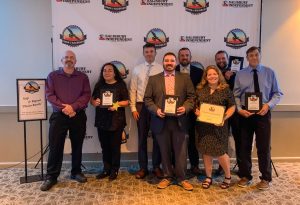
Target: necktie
x: 255, y: 80
x: 147, y: 77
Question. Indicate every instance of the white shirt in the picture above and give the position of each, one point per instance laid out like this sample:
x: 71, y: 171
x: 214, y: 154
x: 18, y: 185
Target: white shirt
x: 139, y: 80
x: 186, y: 69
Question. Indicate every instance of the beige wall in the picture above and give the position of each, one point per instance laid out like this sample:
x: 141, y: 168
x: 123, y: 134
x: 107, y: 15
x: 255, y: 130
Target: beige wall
x: 276, y: 25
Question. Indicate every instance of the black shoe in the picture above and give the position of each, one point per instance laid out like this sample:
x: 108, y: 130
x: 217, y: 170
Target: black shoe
x: 113, y: 175
x: 79, y: 177
x: 219, y: 171
x: 102, y: 175
x: 48, y: 184
x: 195, y: 170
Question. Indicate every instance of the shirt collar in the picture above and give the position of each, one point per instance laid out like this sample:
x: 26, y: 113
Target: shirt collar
x: 147, y: 64
x: 258, y: 68
x: 188, y: 67
x: 167, y: 74
x: 61, y: 72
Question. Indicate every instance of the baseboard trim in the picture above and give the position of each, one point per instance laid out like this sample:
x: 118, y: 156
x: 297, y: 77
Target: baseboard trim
x: 127, y: 162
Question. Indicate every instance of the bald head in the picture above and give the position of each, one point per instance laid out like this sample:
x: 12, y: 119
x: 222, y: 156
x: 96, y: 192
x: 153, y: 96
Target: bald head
x: 69, y: 60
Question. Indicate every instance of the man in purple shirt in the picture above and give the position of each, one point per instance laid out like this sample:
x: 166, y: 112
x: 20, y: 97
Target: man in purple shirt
x: 68, y: 91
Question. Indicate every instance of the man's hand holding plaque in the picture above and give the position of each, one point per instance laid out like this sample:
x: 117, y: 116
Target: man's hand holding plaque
x: 170, y: 106
x: 253, y: 101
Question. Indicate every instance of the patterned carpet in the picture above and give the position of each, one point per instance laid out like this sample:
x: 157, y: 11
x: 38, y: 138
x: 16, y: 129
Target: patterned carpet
x: 127, y: 190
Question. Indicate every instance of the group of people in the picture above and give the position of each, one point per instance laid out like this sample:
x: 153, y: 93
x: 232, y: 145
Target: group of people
x: 174, y: 135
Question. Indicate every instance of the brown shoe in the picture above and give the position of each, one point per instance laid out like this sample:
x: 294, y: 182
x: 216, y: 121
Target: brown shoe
x: 244, y: 182
x: 164, y: 184
x: 196, y: 171
x: 158, y: 173
x: 186, y: 185
x: 263, y: 185
x: 141, y: 174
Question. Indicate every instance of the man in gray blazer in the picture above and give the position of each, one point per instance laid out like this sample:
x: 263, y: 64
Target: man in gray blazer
x: 171, y: 130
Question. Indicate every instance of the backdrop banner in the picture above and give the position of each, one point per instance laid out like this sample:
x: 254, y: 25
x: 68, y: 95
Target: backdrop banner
x: 101, y: 31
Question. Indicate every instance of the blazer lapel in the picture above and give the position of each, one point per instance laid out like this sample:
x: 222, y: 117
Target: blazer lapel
x: 162, y: 84
x: 177, y: 83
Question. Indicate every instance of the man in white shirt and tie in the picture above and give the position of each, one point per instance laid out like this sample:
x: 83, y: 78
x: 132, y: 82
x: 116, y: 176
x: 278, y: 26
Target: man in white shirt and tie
x: 138, y: 83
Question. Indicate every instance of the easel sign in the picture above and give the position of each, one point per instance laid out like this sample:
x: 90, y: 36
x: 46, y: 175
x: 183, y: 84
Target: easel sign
x: 32, y: 104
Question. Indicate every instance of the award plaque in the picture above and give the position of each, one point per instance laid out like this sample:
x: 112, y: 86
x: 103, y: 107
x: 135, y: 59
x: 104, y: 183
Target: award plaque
x: 253, y: 101
x: 235, y: 63
x: 107, y: 97
x: 213, y: 114
x: 170, y: 105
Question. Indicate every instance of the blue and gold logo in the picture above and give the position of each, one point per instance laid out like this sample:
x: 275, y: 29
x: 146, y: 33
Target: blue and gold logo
x: 157, y: 37
x: 236, y: 38
x: 122, y: 69
x: 115, y: 6
x: 31, y: 87
x: 73, y: 36
x: 196, y: 6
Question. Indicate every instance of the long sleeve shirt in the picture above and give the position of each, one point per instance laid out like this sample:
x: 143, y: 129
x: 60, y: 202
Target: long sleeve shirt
x: 73, y: 89
x: 268, y: 84
x: 139, y: 80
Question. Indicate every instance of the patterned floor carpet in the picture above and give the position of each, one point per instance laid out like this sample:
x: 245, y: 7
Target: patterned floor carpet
x: 127, y: 190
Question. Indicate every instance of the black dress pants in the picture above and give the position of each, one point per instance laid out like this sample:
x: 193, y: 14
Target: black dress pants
x: 60, y: 124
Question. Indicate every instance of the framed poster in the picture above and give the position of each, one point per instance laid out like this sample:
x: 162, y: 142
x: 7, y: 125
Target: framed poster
x: 31, y: 99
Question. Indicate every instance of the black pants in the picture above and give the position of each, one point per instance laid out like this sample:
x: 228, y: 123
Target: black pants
x: 111, y: 149
x: 192, y: 149
x: 59, y: 125
x: 261, y: 126
x: 172, y: 138
x: 234, y: 124
x: 143, y: 125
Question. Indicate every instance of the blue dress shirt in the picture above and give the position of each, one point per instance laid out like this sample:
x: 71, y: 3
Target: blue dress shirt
x: 271, y: 93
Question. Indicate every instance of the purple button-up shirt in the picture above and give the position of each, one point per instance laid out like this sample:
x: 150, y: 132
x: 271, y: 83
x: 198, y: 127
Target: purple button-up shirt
x: 73, y: 89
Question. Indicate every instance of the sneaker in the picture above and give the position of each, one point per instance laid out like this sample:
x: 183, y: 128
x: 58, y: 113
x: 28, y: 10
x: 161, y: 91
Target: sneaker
x: 263, y: 185
x: 79, y: 178
x: 164, y: 184
x: 186, y: 185
x: 244, y: 182
x: 48, y: 184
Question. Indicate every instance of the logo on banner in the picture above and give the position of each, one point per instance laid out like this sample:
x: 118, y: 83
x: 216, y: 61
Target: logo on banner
x: 74, y: 1
x: 194, y: 39
x: 122, y: 69
x: 31, y: 87
x: 236, y: 38
x: 115, y: 6
x: 73, y: 36
x: 157, y: 37
x: 157, y: 3
x: 197, y: 65
x: 196, y: 6
x: 114, y: 38
x: 237, y: 4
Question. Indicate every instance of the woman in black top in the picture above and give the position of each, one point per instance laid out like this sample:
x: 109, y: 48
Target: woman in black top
x: 110, y: 121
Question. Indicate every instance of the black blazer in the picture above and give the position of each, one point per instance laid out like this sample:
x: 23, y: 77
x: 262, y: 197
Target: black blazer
x: 195, y: 74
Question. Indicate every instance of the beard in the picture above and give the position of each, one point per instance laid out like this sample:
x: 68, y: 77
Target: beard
x: 185, y: 63
x: 222, y: 66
